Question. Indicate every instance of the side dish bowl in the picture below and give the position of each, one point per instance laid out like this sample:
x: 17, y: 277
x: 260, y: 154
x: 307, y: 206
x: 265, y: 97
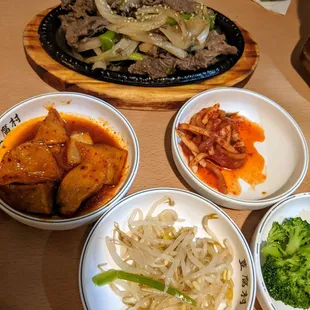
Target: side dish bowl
x: 284, y: 148
x: 293, y: 206
x: 190, y: 207
x: 88, y: 107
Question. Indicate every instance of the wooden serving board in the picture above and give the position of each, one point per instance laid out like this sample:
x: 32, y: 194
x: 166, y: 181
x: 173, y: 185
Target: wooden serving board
x: 125, y: 96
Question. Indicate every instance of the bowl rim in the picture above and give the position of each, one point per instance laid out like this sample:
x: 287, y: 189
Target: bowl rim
x: 238, y: 231
x: 218, y: 195
x: 110, y: 203
x: 261, y: 287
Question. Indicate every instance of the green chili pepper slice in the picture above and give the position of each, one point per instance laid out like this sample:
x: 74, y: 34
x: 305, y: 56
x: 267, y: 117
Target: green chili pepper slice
x: 212, y: 18
x: 135, y: 56
x: 107, y: 40
x: 111, y: 275
x: 172, y: 22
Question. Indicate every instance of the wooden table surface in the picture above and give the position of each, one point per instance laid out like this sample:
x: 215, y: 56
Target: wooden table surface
x: 39, y: 269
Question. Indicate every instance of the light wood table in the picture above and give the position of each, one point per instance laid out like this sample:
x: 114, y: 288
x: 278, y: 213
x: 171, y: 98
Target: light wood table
x: 39, y: 269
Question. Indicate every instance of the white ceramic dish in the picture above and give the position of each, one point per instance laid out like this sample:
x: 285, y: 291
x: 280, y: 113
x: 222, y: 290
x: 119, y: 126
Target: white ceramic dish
x: 284, y: 149
x: 190, y: 207
x: 87, y: 106
x: 294, y: 206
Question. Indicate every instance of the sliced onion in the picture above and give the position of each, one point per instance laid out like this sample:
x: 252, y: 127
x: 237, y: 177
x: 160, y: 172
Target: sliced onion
x: 160, y: 42
x: 99, y: 65
x: 98, y: 51
x: 122, y: 49
x: 203, y: 35
x: 195, y: 26
x: 175, y: 37
x: 90, y: 44
x: 126, y: 30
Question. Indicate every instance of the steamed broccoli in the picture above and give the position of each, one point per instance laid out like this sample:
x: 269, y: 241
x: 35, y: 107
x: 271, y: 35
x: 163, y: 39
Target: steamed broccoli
x: 273, y: 249
x: 276, y: 238
x: 286, y: 269
x: 298, y: 232
x: 305, y: 250
x: 277, y: 233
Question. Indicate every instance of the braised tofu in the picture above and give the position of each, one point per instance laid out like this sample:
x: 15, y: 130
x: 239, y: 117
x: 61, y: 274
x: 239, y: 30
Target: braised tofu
x: 106, y: 158
x: 60, y: 154
x: 79, y: 184
x: 73, y: 154
x: 33, y: 198
x: 29, y: 163
x: 52, y: 130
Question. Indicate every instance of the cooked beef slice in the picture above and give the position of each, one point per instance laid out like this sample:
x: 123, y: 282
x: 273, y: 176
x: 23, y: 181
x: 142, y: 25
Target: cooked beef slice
x: 81, y: 21
x: 152, y: 2
x: 153, y: 52
x: 202, y: 59
x: 78, y: 28
x: 154, y: 67
x: 125, y: 7
x: 217, y: 43
x: 80, y: 8
x: 186, y: 6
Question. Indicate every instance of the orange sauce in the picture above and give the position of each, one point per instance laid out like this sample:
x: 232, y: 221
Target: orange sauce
x: 26, y: 131
x: 252, y: 171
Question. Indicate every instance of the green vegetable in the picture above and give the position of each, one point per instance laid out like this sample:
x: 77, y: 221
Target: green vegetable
x: 273, y: 249
x: 212, y: 17
x: 286, y: 269
x: 298, y: 232
x: 136, y: 56
x: 112, y: 275
x: 172, y: 22
x: 107, y: 40
x: 186, y: 16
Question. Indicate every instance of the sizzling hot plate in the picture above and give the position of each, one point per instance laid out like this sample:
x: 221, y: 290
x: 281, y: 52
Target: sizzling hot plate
x: 50, y: 26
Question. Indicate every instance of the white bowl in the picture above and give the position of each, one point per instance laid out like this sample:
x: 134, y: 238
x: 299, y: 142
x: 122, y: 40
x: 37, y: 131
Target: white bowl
x: 190, y: 207
x: 284, y: 149
x: 294, y: 206
x: 87, y: 106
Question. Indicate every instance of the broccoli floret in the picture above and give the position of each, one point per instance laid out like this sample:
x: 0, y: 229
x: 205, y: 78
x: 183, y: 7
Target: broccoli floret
x: 277, y: 234
x: 273, y: 249
x: 286, y: 269
x: 276, y: 238
x: 290, y: 263
x: 285, y: 284
x: 305, y: 250
x: 298, y: 234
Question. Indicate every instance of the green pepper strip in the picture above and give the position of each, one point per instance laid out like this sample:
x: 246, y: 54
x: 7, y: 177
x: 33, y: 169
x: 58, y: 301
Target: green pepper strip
x: 172, y: 22
x: 111, y: 275
x: 107, y: 40
x: 212, y: 18
x: 135, y: 56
